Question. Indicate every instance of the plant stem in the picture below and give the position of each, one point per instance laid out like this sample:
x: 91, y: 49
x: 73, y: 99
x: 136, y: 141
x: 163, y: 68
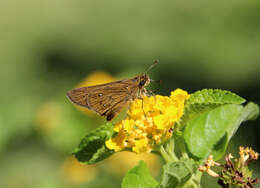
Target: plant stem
x: 165, y: 155
x: 185, y: 155
x: 170, y: 150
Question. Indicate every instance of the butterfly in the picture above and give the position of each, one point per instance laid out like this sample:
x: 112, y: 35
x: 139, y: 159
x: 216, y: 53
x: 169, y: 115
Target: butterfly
x: 110, y: 98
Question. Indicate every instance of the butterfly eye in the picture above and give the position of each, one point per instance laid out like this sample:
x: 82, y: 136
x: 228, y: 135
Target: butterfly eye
x: 142, y: 82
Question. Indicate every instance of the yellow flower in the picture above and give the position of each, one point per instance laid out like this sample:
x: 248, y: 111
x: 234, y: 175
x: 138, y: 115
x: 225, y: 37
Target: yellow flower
x: 149, y: 122
x: 247, y: 154
x: 207, y: 165
x: 141, y: 146
x: 95, y: 78
x: 118, y: 142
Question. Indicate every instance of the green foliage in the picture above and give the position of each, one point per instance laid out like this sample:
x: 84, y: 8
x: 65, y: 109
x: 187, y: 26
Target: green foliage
x: 139, y: 177
x: 212, y: 117
x: 207, y: 99
x: 177, y: 173
x: 208, y: 130
x: 214, y: 96
x: 92, y: 148
x: 251, y: 111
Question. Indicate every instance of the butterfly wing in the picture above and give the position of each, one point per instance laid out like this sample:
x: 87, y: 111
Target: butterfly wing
x: 79, y: 96
x: 106, y: 99
x: 114, y: 110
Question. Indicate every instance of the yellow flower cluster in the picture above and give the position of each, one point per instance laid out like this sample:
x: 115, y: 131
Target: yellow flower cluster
x: 207, y: 165
x: 247, y: 154
x: 149, y: 122
x: 231, y: 170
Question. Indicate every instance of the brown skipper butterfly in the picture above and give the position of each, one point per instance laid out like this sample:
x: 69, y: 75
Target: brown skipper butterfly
x: 110, y: 98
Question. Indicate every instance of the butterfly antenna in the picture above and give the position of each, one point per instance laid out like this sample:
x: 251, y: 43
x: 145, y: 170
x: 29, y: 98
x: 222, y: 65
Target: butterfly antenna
x: 156, y: 81
x: 152, y: 65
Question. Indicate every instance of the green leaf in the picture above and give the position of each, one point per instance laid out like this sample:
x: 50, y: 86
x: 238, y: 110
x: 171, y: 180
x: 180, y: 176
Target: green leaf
x: 251, y: 111
x: 92, y: 148
x: 207, y: 130
x: 217, y: 96
x: 139, y: 177
x: 205, y: 100
x: 210, y: 132
x: 177, y: 173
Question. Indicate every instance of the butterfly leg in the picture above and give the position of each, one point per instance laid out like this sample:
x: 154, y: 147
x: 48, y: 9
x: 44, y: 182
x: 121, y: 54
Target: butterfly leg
x: 143, y: 108
x: 142, y: 93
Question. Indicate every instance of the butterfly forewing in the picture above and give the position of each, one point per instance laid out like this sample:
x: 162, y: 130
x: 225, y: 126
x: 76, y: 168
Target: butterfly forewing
x: 106, y: 99
x: 79, y: 96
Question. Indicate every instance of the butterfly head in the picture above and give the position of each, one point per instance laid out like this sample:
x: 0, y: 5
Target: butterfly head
x: 144, y: 80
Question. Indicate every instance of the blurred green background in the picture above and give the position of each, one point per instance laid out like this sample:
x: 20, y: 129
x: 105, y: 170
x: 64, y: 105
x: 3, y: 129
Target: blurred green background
x: 48, y: 47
